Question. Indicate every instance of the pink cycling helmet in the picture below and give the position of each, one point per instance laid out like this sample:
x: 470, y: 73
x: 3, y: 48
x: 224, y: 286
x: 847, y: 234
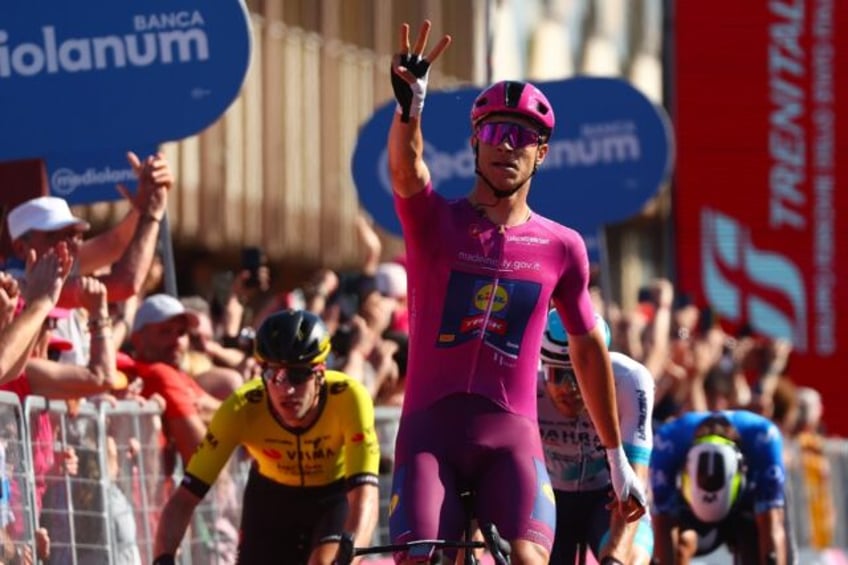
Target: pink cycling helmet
x: 514, y: 97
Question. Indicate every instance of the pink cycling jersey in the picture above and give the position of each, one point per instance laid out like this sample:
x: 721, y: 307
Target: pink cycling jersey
x: 479, y: 299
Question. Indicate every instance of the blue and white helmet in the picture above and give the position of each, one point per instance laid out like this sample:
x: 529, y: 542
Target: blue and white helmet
x: 555, y: 340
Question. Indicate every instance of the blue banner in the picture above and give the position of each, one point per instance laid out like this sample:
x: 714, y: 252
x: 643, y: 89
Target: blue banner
x: 114, y: 75
x: 83, y: 178
x: 609, y: 154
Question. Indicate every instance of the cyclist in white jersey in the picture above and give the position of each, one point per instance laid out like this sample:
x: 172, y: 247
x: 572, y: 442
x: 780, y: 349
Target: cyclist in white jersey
x: 575, y: 458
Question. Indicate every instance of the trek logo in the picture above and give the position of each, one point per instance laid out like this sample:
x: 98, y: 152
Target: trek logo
x: 748, y: 284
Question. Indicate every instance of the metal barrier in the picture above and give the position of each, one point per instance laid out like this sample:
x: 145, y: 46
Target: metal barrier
x: 386, y: 419
x: 101, y: 502
x: 97, y: 478
x: 213, y: 534
x: 17, y: 506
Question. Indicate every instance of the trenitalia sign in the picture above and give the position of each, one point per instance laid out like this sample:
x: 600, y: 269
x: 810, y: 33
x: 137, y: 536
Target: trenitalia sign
x: 609, y: 154
x: 761, y: 123
x: 115, y: 75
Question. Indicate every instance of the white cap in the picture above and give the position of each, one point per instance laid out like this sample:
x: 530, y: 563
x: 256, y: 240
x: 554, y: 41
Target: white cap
x: 45, y: 213
x: 391, y: 280
x: 160, y: 308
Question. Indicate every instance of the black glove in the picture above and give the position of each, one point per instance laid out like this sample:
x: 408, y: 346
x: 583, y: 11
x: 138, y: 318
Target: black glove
x: 410, y: 97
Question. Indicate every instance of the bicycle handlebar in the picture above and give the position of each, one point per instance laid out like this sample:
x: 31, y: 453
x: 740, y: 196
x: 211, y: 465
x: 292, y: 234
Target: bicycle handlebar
x: 345, y: 553
x: 497, y: 546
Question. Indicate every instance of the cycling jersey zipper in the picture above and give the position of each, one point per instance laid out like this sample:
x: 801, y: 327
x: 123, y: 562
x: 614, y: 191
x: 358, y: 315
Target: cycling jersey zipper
x: 484, y: 327
x: 300, y: 461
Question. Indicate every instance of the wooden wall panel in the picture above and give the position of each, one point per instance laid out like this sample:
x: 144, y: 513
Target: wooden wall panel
x: 254, y: 173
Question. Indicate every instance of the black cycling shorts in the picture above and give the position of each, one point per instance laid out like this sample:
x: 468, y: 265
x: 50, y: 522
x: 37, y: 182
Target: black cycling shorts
x: 282, y: 524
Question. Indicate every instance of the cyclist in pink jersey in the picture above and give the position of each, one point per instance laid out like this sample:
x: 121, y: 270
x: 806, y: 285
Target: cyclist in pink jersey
x: 482, y: 273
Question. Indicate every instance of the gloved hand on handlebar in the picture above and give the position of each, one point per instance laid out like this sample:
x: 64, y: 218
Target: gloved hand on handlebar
x: 629, y: 490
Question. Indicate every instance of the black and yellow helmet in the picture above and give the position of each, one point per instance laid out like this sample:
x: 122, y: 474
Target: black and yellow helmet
x: 292, y: 337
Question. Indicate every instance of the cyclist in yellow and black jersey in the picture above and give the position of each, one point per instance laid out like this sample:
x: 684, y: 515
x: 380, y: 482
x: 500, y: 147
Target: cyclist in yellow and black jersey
x: 310, y: 432
x: 337, y: 447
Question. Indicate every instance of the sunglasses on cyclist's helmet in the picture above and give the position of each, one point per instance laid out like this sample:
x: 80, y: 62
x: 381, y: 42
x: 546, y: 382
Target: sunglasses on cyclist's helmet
x: 518, y: 136
x: 296, y: 375
x: 559, y: 376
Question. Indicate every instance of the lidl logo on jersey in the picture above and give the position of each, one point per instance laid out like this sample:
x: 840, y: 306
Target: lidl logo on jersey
x: 491, y: 294
x: 478, y: 308
x: 116, y: 74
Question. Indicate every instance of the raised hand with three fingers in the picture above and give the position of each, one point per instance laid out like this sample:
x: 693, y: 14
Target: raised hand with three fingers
x: 411, y: 70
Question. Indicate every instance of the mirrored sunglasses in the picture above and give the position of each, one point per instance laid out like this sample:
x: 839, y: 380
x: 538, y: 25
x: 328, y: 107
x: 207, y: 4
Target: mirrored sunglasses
x: 561, y: 376
x: 518, y: 136
x: 290, y: 375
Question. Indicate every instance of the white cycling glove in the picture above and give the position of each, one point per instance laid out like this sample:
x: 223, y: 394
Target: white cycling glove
x: 625, y: 483
x: 410, y: 97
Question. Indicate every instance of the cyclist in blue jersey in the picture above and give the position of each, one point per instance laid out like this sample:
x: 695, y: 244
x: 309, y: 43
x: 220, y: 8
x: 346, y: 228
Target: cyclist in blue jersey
x: 574, y: 454
x: 718, y: 478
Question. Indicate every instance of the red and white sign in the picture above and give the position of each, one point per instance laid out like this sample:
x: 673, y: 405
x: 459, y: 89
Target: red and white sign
x: 761, y: 199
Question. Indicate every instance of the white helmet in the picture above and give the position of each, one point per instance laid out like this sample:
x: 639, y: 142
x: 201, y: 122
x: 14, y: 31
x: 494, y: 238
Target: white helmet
x: 555, y: 340
x: 713, y: 478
